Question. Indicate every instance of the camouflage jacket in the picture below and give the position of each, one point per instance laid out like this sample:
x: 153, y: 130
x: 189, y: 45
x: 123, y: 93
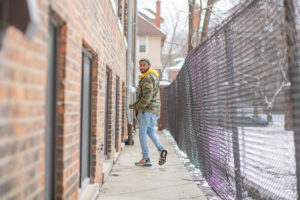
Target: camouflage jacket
x: 149, y: 96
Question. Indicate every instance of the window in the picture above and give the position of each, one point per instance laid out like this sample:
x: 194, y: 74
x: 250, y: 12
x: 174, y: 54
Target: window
x: 142, y: 44
x: 85, y: 128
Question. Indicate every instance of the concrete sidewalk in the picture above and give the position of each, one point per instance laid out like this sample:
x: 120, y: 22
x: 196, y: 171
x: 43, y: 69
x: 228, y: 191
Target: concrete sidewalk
x: 169, y: 181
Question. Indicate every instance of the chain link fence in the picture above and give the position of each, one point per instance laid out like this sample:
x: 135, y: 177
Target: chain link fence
x: 234, y: 107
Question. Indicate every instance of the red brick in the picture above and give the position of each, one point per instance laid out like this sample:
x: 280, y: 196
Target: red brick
x: 23, y: 91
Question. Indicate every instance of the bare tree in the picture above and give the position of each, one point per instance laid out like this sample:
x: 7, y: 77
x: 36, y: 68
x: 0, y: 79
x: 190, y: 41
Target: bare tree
x: 175, y: 27
x: 199, y: 22
x: 208, y: 12
x: 172, y: 42
x: 195, y: 32
x: 207, y: 17
x: 191, y: 24
x: 258, y: 90
x: 176, y: 47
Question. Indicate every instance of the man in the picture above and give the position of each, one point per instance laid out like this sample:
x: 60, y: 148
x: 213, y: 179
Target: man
x: 148, y: 109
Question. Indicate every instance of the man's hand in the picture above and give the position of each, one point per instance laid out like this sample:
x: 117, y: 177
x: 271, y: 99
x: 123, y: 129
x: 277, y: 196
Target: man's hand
x: 131, y: 106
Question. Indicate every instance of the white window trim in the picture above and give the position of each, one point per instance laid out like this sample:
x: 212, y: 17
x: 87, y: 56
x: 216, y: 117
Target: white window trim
x: 125, y: 42
x: 113, y: 5
x: 138, y: 43
x: 120, y: 26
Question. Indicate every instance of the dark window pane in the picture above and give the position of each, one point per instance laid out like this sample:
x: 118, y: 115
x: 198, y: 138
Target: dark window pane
x: 142, y: 48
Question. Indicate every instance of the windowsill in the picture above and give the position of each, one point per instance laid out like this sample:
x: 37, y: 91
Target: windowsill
x: 125, y: 42
x: 117, y: 154
x: 107, y: 167
x: 89, y: 192
x: 108, y: 164
x: 122, y: 146
x: 120, y: 27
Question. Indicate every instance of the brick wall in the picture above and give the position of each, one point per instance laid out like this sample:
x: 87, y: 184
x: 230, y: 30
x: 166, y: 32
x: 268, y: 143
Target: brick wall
x: 88, y: 24
x: 22, y: 116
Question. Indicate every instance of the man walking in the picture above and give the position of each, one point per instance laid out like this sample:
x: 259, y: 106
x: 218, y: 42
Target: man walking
x: 148, y: 109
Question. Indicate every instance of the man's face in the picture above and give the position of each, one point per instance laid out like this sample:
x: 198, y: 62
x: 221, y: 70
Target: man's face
x: 144, y: 66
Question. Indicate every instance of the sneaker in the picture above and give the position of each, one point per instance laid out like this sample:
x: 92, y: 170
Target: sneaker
x: 144, y: 162
x: 162, y: 157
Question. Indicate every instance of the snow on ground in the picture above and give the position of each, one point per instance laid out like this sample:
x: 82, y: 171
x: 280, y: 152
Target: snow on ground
x: 194, y: 172
x: 267, y: 157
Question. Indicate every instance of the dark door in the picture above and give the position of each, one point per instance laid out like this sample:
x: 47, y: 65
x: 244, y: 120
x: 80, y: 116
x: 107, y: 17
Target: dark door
x: 85, y: 119
x: 51, y: 112
x: 107, y: 95
x: 117, y: 115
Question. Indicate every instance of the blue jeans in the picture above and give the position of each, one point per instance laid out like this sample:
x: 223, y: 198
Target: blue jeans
x: 147, y: 122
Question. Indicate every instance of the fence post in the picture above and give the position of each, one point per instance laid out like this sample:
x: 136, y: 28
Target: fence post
x: 232, y: 109
x: 294, y: 73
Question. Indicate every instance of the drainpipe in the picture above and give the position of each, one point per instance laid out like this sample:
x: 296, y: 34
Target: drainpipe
x: 134, y: 56
x: 134, y: 48
x: 128, y: 56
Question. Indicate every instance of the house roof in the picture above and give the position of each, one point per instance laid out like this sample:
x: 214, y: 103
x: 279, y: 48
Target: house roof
x: 149, y: 14
x: 164, y: 83
x: 146, y: 28
x: 175, y: 68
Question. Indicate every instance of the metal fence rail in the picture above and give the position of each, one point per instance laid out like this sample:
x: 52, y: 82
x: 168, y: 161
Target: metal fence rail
x: 234, y: 106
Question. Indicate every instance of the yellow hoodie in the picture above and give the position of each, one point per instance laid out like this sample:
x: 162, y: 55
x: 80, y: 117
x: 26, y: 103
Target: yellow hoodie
x: 156, y: 73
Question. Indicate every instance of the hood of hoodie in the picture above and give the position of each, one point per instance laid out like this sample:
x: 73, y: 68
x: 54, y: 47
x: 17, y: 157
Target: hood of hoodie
x: 156, y: 73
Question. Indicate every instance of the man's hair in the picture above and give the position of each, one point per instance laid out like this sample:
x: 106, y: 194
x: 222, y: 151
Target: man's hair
x: 145, y: 60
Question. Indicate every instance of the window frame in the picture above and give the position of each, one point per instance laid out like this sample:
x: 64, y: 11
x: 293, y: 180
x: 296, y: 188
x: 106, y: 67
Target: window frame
x: 86, y: 181
x: 107, y: 117
x: 51, y: 110
x: 117, y: 113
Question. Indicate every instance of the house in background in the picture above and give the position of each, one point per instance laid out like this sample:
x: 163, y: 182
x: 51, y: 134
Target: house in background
x: 170, y: 72
x: 150, y: 37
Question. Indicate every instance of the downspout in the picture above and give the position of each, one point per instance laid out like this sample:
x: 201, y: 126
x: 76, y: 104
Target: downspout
x: 128, y: 59
x: 134, y: 48
x: 134, y: 57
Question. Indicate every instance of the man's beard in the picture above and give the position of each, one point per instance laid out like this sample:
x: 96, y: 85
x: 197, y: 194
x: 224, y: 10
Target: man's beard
x: 145, y: 70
